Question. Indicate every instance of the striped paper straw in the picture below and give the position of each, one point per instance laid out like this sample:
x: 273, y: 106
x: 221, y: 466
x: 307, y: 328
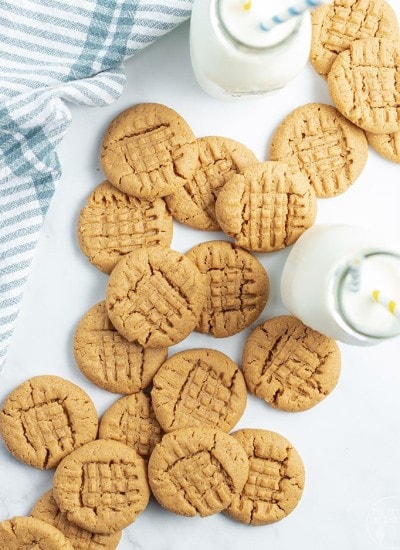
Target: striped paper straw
x: 355, y: 273
x: 387, y: 303
x: 293, y: 11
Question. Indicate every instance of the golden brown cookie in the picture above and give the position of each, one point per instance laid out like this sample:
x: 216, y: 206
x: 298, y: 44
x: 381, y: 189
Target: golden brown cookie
x: 237, y: 287
x: 155, y: 296
x: 197, y: 471
x: 199, y: 387
x: 46, y: 509
x: 276, y: 478
x: 290, y: 365
x: 267, y: 208
x: 45, y: 419
x: 387, y: 145
x: 220, y: 158
x: 318, y: 140
x: 114, y: 223
x: 364, y: 83
x: 149, y: 151
x: 336, y: 25
x: 108, y: 360
x: 132, y: 421
x: 102, y: 486
x: 23, y: 533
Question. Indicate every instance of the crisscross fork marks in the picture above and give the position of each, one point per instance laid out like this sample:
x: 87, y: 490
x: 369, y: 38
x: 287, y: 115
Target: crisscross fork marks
x: 150, y: 150
x: 119, y: 360
x: 109, y: 484
x: 140, y: 432
x: 48, y: 425
x: 203, y: 399
x: 203, y: 482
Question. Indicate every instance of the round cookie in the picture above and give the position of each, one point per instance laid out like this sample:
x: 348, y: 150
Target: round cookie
x: 132, y: 421
x: 108, y: 360
x: 336, y: 25
x: 199, y: 387
x: 46, y: 418
x: 114, y: 223
x: 267, y: 208
x: 197, y: 471
x: 324, y: 145
x: 364, y: 83
x: 46, y: 509
x: 276, y: 478
x: 290, y: 365
x: 20, y: 533
x: 102, y: 486
x: 219, y: 159
x: 387, y: 145
x: 149, y: 151
x: 155, y: 296
x: 237, y: 287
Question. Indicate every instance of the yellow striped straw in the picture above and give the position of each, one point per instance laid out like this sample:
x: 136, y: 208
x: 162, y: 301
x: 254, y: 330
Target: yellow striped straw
x: 247, y: 5
x: 386, y: 302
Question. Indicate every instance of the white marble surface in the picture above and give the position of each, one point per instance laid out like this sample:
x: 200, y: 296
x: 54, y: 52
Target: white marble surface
x: 350, y: 442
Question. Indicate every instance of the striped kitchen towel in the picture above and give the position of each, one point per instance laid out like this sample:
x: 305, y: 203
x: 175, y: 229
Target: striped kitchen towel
x: 52, y: 52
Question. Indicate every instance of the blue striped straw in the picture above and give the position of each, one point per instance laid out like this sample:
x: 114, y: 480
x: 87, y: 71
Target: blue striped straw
x: 291, y: 12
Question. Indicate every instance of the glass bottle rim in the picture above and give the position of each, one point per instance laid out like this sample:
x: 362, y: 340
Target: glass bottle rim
x: 220, y: 25
x: 338, y: 292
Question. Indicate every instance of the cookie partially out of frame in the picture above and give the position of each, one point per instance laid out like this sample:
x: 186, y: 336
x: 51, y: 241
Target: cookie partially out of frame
x: 336, y: 25
x: 364, y: 83
x: 155, y: 296
x: 20, y: 533
x: 149, y: 151
x: 290, y: 365
x: 199, y: 387
x: 237, y: 287
x: 46, y: 418
x: 387, y: 145
x: 267, y: 208
x: 324, y: 145
x: 197, y: 471
x: 108, y: 360
x: 46, y: 509
x: 132, y: 421
x: 102, y: 486
x: 219, y: 159
x: 275, y: 482
x: 114, y: 223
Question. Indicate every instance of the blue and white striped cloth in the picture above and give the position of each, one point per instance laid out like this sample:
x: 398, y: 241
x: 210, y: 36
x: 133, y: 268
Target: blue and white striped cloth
x: 52, y: 51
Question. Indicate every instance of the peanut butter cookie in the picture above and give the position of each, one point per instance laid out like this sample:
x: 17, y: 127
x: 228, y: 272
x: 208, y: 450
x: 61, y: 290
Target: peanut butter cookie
x: 290, y: 365
x: 149, y: 151
x: 22, y: 533
x: 132, y: 421
x: 102, y: 486
x: 219, y: 159
x: 324, y: 145
x: 114, y: 223
x: 46, y: 418
x: 46, y: 509
x: 197, y: 471
x: 155, y: 296
x: 108, y: 360
x: 267, y: 208
x: 387, y: 145
x: 276, y: 478
x: 337, y: 25
x: 199, y: 387
x: 364, y: 83
x: 237, y: 287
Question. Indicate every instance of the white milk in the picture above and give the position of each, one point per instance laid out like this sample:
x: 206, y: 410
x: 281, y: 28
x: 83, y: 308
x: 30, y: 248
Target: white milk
x: 233, y: 57
x: 316, y: 284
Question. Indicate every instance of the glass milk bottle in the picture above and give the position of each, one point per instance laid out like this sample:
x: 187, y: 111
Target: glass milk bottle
x: 329, y: 279
x: 232, y: 56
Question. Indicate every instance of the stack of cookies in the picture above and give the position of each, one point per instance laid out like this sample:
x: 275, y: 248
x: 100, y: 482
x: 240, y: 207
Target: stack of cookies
x: 356, y: 48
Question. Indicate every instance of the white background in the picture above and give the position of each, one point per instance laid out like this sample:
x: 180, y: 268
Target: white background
x: 350, y: 443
